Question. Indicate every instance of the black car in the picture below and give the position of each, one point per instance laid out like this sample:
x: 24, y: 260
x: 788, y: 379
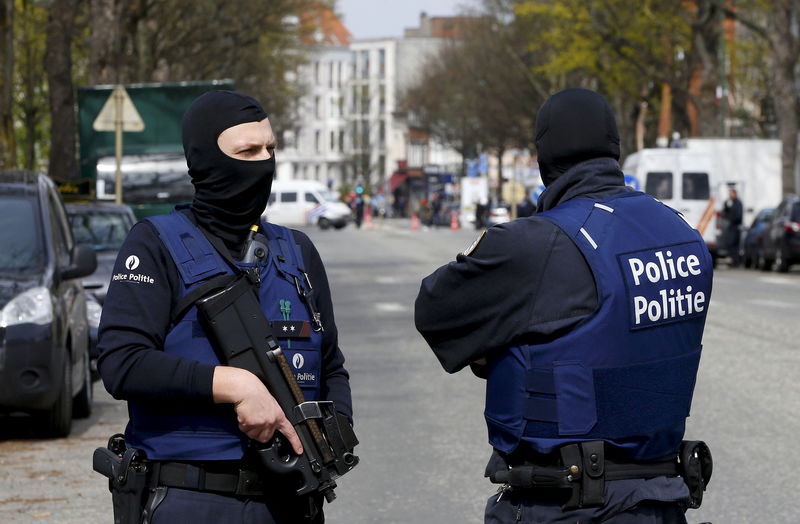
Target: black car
x: 44, y: 352
x: 104, y: 227
x: 754, y: 237
x: 782, y: 237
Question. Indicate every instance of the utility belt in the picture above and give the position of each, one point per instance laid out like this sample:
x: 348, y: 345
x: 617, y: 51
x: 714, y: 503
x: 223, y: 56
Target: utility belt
x: 139, y: 485
x: 583, y: 468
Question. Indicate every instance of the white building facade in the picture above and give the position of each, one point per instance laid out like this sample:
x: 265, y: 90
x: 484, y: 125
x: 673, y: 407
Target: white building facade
x: 314, y: 147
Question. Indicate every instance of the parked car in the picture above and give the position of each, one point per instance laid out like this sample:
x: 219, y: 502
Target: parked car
x: 44, y: 336
x: 781, y: 246
x: 497, y: 215
x: 104, y: 227
x: 298, y: 202
x: 753, y: 238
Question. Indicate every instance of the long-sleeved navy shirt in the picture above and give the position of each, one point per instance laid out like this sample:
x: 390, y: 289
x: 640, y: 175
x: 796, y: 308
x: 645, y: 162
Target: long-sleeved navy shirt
x: 525, y: 280
x: 136, y: 320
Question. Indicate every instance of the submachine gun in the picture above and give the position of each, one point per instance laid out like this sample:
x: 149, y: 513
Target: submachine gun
x: 234, y: 321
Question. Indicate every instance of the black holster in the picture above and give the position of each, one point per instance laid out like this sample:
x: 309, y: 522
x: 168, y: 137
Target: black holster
x: 696, y: 466
x: 127, y: 474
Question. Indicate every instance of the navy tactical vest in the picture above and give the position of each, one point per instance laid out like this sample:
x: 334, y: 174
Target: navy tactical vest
x: 212, y: 433
x: 626, y: 374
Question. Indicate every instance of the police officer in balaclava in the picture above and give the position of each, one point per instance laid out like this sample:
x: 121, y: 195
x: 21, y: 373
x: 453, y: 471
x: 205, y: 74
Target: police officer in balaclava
x: 193, y: 417
x: 586, y: 322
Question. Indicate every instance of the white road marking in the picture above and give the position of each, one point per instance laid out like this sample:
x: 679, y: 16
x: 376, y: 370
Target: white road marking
x: 781, y: 281
x: 391, y: 307
x: 772, y: 303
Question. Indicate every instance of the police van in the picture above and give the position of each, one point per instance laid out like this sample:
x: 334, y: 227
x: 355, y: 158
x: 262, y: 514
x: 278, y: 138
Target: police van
x: 305, y: 202
x: 683, y: 179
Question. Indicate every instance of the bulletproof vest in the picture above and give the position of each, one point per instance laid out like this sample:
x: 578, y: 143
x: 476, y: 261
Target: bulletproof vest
x: 625, y: 374
x: 168, y: 432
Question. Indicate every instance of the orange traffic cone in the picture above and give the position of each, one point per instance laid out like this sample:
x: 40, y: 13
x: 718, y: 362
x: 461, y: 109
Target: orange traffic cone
x: 367, y: 217
x: 453, y: 220
x: 414, y: 222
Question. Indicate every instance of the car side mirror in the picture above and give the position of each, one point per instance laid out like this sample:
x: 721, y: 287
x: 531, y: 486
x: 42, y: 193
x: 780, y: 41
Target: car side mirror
x: 84, y: 262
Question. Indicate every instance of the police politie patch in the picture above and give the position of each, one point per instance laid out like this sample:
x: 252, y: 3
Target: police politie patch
x: 665, y: 284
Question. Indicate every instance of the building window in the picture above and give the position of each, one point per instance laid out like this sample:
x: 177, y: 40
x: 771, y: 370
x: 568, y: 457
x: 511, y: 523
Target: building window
x: 382, y: 99
x: 317, y: 141
x: 333, y: 141
x: 316, y: 73
x: 341, y: 141
x: 364, y: 64
x: 341, y: 105
x: 382, y: 134
x: 364, y: 100
x: 339, y: 78
x: 382, y: 166
x: 382, y: 63
x: 317, y: 107
x: 330, y: 74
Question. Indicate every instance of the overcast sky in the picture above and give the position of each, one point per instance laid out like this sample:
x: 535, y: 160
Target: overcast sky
x: 379, y: 18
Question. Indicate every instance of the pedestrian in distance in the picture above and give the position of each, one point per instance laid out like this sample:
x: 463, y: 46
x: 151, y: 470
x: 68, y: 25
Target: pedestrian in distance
x: 732, y: 212
x: 586, y: 322
x: 194, y: 419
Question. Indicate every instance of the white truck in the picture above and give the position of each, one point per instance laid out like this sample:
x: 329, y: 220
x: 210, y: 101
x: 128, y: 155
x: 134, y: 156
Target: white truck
x: 695, y: 178
x: 751, y: 166
x: 684, y: 180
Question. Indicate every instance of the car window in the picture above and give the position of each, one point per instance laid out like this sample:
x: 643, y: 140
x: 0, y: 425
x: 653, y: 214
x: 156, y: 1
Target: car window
x: 103, y: 231
x: 61, y: 217
x: 60, y: 247
x: 289, y: 196
x: 21, y: 238
x: 659, y: 185
x: 271, y: 198
x: 795, y: 216
x: 695, y: 186
x: 311, y: 198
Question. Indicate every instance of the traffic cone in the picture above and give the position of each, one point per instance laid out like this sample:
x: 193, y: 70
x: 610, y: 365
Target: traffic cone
x: 454, y: 221
x: 367, y: 217
x: 414, y: 222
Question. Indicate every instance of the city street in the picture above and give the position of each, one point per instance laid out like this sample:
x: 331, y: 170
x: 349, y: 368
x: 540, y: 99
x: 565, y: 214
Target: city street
x: 423, y: 441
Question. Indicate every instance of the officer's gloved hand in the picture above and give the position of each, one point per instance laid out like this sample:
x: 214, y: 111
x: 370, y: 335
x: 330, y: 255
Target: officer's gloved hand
x: 258, y: 413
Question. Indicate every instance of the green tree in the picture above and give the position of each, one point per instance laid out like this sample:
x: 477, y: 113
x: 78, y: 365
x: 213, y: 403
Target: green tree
x: 7, y: 152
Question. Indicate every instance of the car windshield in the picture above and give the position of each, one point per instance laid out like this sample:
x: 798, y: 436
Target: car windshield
x: 329, y: 196
x: 102, y: 230
x: 21, y: 240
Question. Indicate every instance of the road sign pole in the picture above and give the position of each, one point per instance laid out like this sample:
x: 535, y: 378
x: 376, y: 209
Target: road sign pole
x: 118, y: 99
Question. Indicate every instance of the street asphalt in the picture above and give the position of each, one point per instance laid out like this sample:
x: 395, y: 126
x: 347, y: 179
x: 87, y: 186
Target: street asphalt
x: 423, y: 442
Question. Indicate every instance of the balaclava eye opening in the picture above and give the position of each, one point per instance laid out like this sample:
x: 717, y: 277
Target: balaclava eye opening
x: 573, y: 126
x: 230, y: 194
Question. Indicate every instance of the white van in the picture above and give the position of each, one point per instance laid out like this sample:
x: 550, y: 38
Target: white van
x: 303, y: 202
x: 684, y: 180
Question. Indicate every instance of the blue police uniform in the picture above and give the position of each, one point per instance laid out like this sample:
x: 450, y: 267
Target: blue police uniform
x: 164, y: 367
x: 590, y: 315
x: 215, y: 435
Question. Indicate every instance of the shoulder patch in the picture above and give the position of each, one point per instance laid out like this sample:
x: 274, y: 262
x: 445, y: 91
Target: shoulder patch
x: 467, y: 252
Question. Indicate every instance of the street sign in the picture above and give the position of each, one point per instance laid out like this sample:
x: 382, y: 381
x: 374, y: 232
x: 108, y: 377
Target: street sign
x: 118, y: 115
x: 108, y: 118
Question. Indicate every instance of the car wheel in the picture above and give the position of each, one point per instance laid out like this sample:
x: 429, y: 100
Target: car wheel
x: 324, y: 223
x: 781, y: 263
x: 82, y: 404
x: 340, y: 226
x: 763, y: 262
x: 57, y: 421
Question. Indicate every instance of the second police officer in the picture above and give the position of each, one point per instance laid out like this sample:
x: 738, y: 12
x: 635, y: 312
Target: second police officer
x: 191, y: 415
x: 586, y: 321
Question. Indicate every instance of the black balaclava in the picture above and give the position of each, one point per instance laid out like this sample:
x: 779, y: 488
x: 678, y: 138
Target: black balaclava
x: 229, y: 194
x: 573, y: 126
